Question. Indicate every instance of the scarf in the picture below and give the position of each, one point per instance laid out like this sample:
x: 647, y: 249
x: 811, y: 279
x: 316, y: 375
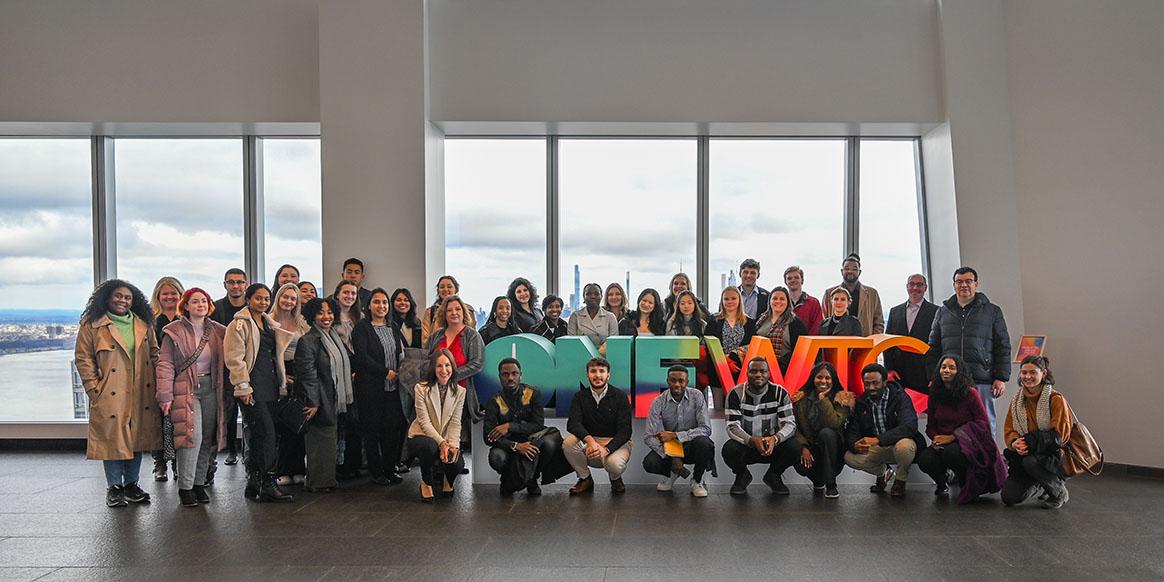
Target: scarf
x: 341, y: 368
x: 124, y: 326
x: 1042, y: 412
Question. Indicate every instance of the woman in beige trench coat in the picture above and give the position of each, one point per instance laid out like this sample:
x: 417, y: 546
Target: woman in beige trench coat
x: 115, y: 355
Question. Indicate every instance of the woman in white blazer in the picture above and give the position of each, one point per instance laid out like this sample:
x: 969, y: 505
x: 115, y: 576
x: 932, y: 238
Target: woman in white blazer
x: 435, y: 436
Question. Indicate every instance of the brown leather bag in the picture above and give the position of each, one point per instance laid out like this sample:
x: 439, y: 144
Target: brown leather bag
x: 1081, y: 453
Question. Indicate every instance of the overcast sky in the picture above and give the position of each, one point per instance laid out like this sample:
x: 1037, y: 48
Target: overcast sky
x: 179, y: 212
x: 625, y: 205
x: 631, y: 205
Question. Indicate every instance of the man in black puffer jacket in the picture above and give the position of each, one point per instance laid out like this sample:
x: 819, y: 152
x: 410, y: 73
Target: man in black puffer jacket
x: 969, y: 325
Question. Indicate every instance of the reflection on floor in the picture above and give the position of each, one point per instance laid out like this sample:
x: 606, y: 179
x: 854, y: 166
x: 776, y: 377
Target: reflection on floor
x: 54, y: 526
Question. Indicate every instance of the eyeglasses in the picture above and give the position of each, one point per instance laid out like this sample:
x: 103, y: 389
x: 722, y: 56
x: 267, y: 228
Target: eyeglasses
x: 234, y: 283
x: 915, y: 285
x: 966, y: 282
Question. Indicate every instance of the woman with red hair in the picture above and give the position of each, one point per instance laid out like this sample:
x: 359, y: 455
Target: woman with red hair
x: 189, y: 391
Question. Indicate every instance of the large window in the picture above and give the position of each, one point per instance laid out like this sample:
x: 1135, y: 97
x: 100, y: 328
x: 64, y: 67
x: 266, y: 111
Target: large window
x: 633, y: 210
x: 179, y: 210
x: 780, y: 202
x: 627, y: 214
x: 495, y: 217
x: 46, y: 255
x: 292, y: 207
x: 890, y: 230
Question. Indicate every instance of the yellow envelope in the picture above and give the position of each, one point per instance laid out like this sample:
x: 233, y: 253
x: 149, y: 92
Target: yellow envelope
x: 673, y: 449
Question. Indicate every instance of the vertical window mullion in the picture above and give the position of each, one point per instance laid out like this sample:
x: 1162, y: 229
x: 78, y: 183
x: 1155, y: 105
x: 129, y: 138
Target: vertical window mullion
x: 552, y: 216
x: 852, y: 194
x: 104, y: 195
x: 253, y: 227
x: 702, y: 219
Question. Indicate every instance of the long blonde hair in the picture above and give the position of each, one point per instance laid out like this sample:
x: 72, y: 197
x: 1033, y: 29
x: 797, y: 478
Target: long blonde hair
x: 741, y: 315
x: 301, y: 324
x: 155, y: 299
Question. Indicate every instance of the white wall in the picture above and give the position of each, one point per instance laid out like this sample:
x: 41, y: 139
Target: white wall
x: 149, y: 61
x: 372, y: 118
x: 684, y: 60
x: 1087, y: 90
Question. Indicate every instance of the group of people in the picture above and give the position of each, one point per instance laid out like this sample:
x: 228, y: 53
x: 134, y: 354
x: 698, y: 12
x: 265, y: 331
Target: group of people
x: 327, y: 384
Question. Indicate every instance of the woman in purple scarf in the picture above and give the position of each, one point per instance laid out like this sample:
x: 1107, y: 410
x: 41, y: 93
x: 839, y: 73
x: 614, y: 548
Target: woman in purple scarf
x: 960, y: 430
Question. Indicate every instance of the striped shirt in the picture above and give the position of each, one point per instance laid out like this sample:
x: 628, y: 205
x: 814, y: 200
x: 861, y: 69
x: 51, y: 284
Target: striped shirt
x: 759, y: 415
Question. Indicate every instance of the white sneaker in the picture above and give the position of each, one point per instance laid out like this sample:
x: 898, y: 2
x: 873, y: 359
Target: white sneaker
x: 283, y: 480
x: 666, y: 484
x: 698, y: 490
x: 298, y: 479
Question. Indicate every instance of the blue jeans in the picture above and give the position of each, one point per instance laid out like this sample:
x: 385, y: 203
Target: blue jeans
x: 122, y: 472
x: 987, y: 395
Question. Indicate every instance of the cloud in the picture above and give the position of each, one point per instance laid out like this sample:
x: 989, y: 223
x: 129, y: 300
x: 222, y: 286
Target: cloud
x: 43, y: 234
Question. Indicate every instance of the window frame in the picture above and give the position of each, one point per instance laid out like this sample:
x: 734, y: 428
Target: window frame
x: 852, y: 197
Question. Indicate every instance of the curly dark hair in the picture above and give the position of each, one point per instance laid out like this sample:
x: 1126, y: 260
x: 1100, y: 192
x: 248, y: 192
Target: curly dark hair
x: 959, y: 388
x: 511, y: 294
x: 98, y: 304
x: 810, y: 384
x: 313, y: 307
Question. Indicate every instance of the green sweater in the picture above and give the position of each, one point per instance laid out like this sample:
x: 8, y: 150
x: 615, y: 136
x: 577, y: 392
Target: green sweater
x: 124, y: 326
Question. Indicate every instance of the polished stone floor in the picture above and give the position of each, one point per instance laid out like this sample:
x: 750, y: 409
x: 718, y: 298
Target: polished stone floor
x: 54, y: 526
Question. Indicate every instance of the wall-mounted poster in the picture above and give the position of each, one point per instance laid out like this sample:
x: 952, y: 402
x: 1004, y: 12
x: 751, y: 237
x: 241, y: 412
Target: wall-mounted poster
x: 1030, y: 345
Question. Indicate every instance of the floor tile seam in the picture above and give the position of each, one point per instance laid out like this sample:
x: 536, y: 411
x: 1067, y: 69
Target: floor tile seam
x: 51, y: 570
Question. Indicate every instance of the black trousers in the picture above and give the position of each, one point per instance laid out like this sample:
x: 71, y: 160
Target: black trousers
x: 231, y: 406
x: 738, y: 456
x: 934, y: 461
x: 431, y: 466
x: 352, y: 436
x: 382, y: 426
x: 291, y: 451
x: 699, y: 451
x: 516, y: 470
x: 1026, y: 478
x: 826, y: 458
x: 261, y: 449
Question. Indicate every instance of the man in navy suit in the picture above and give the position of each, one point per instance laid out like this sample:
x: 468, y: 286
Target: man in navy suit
x: 914, y: 318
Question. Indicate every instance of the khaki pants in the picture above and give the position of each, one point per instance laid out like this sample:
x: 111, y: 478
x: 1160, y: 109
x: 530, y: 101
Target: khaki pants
x: 614, y: 463
x: 874, y: 461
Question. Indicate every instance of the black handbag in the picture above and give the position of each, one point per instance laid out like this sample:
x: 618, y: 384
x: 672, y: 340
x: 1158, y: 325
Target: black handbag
x: 289, y: 412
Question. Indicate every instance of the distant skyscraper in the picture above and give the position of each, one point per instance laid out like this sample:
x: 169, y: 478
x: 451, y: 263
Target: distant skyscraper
x: 732, y: 278
x: 723, y: 280
x: 628, y: 284
x: 577, y: 289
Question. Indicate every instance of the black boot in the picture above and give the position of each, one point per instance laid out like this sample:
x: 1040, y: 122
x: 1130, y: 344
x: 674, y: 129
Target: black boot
x: 200, y: 494
x: 252, y: 489
x: 186, y: 498
x: 269, y: 491
x: 160, y: 473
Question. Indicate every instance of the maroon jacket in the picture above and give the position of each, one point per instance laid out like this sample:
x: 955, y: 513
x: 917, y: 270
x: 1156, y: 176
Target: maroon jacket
x: 809, y: 311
